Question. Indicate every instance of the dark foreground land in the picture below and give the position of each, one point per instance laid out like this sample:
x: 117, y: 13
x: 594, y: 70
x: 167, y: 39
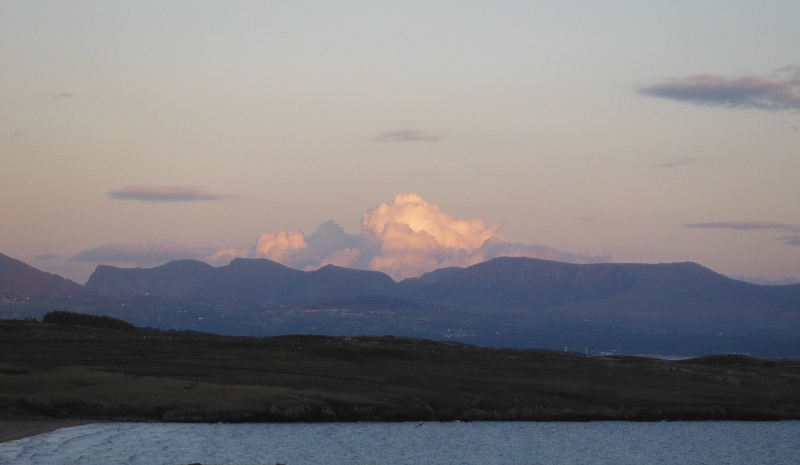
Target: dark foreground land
x: 13, y: 430
x: 51, y: 371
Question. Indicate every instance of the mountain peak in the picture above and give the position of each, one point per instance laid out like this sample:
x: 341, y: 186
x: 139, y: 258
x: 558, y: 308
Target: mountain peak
x: 329, y: 238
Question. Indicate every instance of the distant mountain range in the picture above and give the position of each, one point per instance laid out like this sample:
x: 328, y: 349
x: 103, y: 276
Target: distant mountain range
x: 522, y: 302
x: 258, y: 280
x: 673, y: 293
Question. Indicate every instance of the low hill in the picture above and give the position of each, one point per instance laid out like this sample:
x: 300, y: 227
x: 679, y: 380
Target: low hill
x: 67, y: 371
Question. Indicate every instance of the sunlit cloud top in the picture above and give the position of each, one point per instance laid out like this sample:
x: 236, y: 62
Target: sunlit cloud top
x: 403, y: 238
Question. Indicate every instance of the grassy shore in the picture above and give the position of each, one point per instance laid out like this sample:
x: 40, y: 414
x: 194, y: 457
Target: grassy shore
x: 50, y: 371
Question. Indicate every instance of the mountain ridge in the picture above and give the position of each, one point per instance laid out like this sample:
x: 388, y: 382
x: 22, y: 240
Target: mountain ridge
x: 504, y: 302
x: 511, y: 281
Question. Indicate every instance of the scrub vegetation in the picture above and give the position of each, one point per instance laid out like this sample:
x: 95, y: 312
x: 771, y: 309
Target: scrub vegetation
x: 68, y: 371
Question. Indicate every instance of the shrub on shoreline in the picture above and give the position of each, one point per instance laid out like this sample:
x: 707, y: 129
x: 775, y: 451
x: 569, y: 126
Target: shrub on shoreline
x: 63, y: 317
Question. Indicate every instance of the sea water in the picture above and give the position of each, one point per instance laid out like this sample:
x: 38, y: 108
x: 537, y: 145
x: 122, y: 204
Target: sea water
x: 616, y: 443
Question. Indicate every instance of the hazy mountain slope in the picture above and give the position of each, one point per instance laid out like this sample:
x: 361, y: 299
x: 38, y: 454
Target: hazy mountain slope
x: 527, y: 283
x: 259, y: 280
x: 252, y: 279
x: 334, y: 282
x: 265, y: 280
x: 17, y: 277
x: 513, y: 283
x: 176, y: 279
x: 605, y: 290
x: 431, y: 276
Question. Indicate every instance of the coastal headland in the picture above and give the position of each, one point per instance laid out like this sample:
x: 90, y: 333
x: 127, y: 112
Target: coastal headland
x: 68, y: 372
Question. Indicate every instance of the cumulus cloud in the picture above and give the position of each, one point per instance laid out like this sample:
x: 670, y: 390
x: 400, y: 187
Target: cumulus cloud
x: 779, y: 92
x: 166, y: 194
x: 225, y: 255
x: 416, y: 236
x: 497, y: 247
x: 407, y: 135
x: 418, y: 215
x: 345, y: 258
x: 404, y: 238
x: 281, y: 247
x: 742, y: 225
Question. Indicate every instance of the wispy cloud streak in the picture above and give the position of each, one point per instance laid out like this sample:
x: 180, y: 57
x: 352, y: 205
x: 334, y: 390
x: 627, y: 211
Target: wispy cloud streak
x: 407, y: 135
x: 143, y: 253
x: 793, y: 238
x: 54, y: 95
x: 777, y: 93
x: 676, y: 164
x: 166, y: 194
x: 46, y: 257
x: 742, y: 225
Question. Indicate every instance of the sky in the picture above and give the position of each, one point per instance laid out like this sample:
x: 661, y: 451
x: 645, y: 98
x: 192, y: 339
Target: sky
x: 431, y: 133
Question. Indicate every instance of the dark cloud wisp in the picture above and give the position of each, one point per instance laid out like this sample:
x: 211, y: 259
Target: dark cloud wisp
x: 776, y: 93
x: 166, y: 194
x: 791, y: 240
x: 47, y: 256
x: 407, y: 135
x: 743, y: 225
x: 792, y: 229
x: 676, y: 163
x: 143, y: 253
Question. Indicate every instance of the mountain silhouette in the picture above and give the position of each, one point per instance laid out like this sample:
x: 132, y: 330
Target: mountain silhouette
x: 244, y: 279
x: 658, y: 292
x: 507, y: 301
x: 18, y: 278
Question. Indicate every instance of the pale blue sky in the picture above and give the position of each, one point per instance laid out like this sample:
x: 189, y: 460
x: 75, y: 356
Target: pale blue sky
x: 283, y: 115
